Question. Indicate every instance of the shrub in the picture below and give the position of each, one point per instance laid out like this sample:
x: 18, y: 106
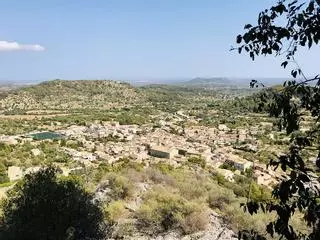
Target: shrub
x: 120, y: 165
x: 99, y: 174
x: 123, y: 230
x: 3, y: 174
x: 135, y: 176
x: 195, y: 187
x: 219, y: 178
x: 115, y: 211
x: 163, y: 210
x: 4, y: 177
x: 239, y: 191
x: 158, y: 177
x: 228, y: 167
x: 121, y: 187
x: 198, y: 161
x: 237, y: 219
x: 259, y: 193
x: 196, y: 221
x: 43, y: 206
x: 219, y: 197
x: 164, y: 167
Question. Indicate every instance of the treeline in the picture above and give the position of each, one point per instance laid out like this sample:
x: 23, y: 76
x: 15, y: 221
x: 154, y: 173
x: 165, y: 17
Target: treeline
x: 261, y: 102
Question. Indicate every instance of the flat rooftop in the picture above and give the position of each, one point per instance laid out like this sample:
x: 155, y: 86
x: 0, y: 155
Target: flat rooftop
x: 46, y: 135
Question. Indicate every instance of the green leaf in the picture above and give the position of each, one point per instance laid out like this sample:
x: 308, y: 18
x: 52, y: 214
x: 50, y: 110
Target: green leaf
x: 284, y: 64
x: 311, y: 6
x: 239, y: 39
x: 275, y: 47
x: 294, y: 73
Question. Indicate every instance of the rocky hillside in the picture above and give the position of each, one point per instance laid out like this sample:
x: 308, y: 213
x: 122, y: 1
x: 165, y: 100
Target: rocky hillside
x: 64, y: 95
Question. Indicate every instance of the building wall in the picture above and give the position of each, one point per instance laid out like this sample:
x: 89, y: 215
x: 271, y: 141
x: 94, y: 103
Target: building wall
x: 159, y: 154
x: 240, y: 166
x: 14, y: 173
x: 247, y: 165
x: 173, y: 152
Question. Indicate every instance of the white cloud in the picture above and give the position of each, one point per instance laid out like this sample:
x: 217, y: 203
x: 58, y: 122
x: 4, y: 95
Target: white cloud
x: 14, y: 46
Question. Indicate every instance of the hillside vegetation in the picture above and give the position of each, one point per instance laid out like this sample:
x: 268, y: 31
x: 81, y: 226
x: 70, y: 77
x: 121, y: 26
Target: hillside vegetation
x: 79, y: 95
x: 64, y: 95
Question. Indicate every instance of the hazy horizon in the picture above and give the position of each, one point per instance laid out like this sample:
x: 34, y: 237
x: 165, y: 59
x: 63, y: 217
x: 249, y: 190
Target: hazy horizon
x: 241, y: 80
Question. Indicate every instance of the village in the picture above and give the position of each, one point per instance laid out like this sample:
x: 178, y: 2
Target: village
x: 166, y: 141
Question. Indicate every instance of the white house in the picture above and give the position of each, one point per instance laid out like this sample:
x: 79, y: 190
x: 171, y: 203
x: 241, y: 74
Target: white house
x: 15, y: 173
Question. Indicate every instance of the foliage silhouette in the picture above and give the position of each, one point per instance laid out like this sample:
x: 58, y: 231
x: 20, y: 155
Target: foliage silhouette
x: 44, y: 206
x: 281, y: 31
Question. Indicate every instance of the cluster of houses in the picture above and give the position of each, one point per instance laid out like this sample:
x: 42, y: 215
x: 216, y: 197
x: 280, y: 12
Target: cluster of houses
x: 158, y: 143
x: 110, y: 141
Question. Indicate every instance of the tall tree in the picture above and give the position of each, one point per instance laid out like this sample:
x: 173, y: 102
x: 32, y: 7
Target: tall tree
x: 44, y: 206
x: 282, y: 30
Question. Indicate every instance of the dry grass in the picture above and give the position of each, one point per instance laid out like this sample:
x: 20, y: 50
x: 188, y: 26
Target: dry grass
x: 196, y: 221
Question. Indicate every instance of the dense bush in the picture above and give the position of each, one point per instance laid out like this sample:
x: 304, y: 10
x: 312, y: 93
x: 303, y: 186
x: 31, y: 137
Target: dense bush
x: 120, y: 186
x: 115, y: 211
x: 198, y: 161
x: 163, y: 210
x: 46, y: 207
x: 158, y: 176
x: 228, y: 166
x: 3, y: 173
x: 194, y: 222
x: 3, y: 177
x: 195, y: 187
x: 220, y: 197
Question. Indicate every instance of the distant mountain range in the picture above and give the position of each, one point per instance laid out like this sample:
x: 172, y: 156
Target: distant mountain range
x: 214, y: 82
x: 218, y: 80
x: 224, y: 82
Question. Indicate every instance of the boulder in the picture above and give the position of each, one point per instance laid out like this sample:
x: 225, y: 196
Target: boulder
x: 35, y: 152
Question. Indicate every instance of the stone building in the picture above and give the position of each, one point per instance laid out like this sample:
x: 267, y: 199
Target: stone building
x: 163, y: 152
x: 14, y: 173
x: 239, y: 163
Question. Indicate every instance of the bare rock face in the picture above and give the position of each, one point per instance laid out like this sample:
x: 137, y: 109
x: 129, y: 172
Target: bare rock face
x: 35, y: 152
x: 102, y: 192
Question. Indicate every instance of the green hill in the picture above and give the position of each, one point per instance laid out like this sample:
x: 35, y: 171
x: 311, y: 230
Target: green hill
x: 68, y: 95
x: 217, y: 81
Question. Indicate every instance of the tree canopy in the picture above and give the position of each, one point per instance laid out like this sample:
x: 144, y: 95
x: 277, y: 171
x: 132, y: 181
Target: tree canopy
x: 44, y: 206
x: 282, y: 30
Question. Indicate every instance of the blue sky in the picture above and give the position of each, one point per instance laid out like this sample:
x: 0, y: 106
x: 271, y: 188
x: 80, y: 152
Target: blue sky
x: 131, y: 40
